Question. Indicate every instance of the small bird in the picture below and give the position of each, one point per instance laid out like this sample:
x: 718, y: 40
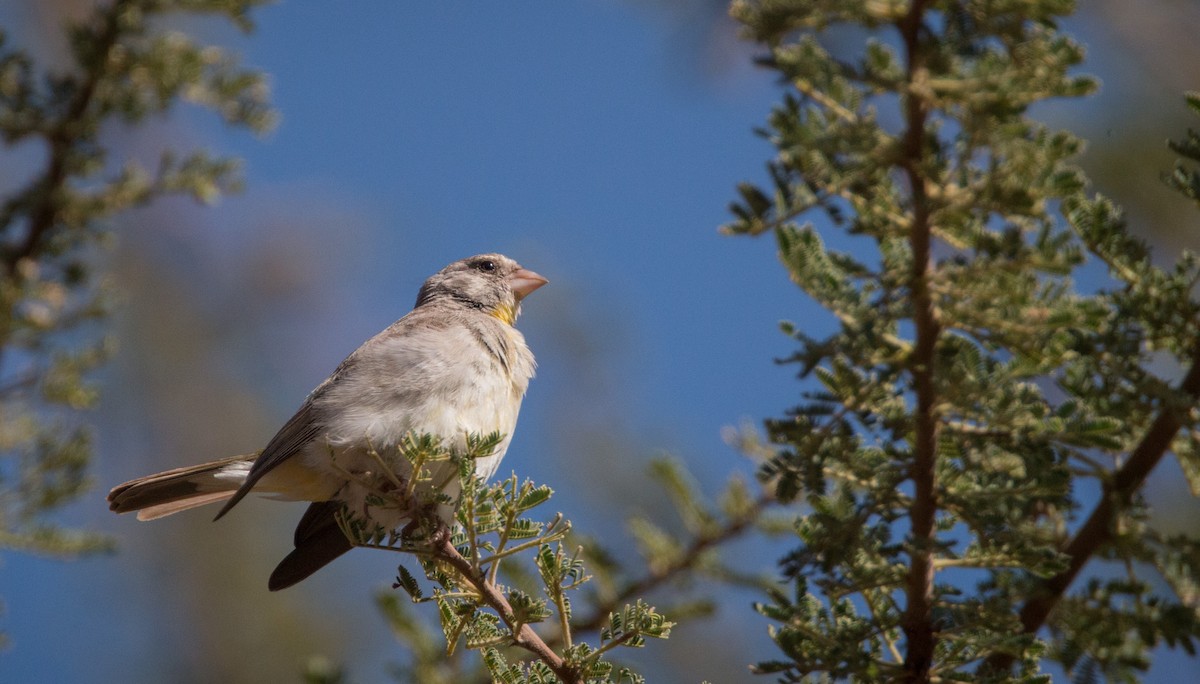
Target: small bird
x: 452, y: 367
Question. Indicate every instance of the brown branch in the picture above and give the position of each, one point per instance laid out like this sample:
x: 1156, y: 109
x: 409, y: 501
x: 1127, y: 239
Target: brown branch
x: 1097, y: 530
x: 687, y: 559
x: 44, y: 196
x: 917, y: 620
x: 524, y: 636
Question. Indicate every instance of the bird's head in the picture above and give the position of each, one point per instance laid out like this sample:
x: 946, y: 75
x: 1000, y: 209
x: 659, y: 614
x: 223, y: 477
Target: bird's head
x: 492, y: 283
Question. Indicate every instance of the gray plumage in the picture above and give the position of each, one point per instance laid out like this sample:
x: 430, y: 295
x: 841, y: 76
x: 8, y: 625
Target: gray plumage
x: 453, y: 366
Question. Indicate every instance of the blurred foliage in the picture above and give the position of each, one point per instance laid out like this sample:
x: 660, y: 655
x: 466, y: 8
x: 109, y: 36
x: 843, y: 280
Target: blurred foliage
x: 1186, y: 179
x: 972, y: 387
x: 123, y: 69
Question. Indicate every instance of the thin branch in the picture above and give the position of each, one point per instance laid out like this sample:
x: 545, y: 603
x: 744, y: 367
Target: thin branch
x: 917, y: 620
x: 523, y: 635
x: 805, y: 86
x: 897, y: 657
x: 685, y: 560
x: 498, y: 555
x: 561, y: 605
x: 552, y: 533
x: 1098, y: 530
x: 619, y: 641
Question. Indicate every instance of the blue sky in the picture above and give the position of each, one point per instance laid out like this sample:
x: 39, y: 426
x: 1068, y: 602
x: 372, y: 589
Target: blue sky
x: 598, y: 143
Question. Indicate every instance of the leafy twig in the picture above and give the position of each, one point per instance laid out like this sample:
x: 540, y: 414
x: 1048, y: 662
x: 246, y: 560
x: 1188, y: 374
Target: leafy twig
x: 683, y: 562
x: 523, y: 634
x: 1098, y: 529
x: 63, y: 136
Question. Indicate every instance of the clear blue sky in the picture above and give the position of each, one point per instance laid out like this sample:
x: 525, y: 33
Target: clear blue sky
x: 598, y: 143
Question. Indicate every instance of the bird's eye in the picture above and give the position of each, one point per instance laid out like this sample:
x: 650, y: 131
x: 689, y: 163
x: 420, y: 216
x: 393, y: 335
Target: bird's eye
x: 487, y: 266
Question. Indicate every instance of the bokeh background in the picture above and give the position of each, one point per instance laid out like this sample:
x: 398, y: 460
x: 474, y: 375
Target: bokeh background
x: 598, y: 142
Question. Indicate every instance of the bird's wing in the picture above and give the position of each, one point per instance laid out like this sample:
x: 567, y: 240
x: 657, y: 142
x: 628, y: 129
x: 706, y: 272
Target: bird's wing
x: 300, y: 429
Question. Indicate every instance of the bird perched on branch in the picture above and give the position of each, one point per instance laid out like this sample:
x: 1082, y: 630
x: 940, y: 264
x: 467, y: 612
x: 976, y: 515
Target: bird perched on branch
x: 453, y: 367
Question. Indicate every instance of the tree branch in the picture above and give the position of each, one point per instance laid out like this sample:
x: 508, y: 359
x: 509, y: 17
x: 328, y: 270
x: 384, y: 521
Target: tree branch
x: 917, y: 620
x: 1097, y: 531
x: 43, y: 199
x: 687, y: 559
x: 523, y: 634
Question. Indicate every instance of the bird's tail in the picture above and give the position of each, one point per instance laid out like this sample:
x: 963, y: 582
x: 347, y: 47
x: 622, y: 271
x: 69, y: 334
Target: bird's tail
x: 155, y: 496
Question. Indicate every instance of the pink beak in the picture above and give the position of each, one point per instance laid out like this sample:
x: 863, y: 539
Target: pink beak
x: 523, y: 281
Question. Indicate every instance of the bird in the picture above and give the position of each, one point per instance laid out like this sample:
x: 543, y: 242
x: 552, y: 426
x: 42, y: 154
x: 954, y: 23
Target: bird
x: 452, y: 368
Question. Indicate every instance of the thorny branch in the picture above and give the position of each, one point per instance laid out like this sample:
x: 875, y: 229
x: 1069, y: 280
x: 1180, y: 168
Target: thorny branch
x: 1097, y: 530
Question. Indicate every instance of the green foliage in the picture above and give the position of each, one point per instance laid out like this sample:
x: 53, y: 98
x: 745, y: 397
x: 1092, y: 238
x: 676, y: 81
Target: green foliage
x: 123, y: 69
x: 586, y: 604
x: 937, y: 473
x: 971, y: 386
x: 493, y: 528
x: 1184, y: 179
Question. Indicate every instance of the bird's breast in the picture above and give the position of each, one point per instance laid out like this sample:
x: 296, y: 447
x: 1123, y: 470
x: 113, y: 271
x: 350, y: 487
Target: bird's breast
x: 449, y: 382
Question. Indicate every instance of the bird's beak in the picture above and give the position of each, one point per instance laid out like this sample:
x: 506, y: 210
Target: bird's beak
x: 523, y: 281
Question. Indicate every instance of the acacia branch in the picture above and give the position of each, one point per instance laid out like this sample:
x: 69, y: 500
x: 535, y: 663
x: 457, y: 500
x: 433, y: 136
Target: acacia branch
x: 523, y: 634
x: 1098, y: 529
x: 687, y: 559
x: 43, y: 200
x: 917, y: 620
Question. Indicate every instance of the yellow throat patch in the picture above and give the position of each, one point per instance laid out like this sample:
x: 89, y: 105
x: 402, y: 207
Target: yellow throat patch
x: 506, y: 313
